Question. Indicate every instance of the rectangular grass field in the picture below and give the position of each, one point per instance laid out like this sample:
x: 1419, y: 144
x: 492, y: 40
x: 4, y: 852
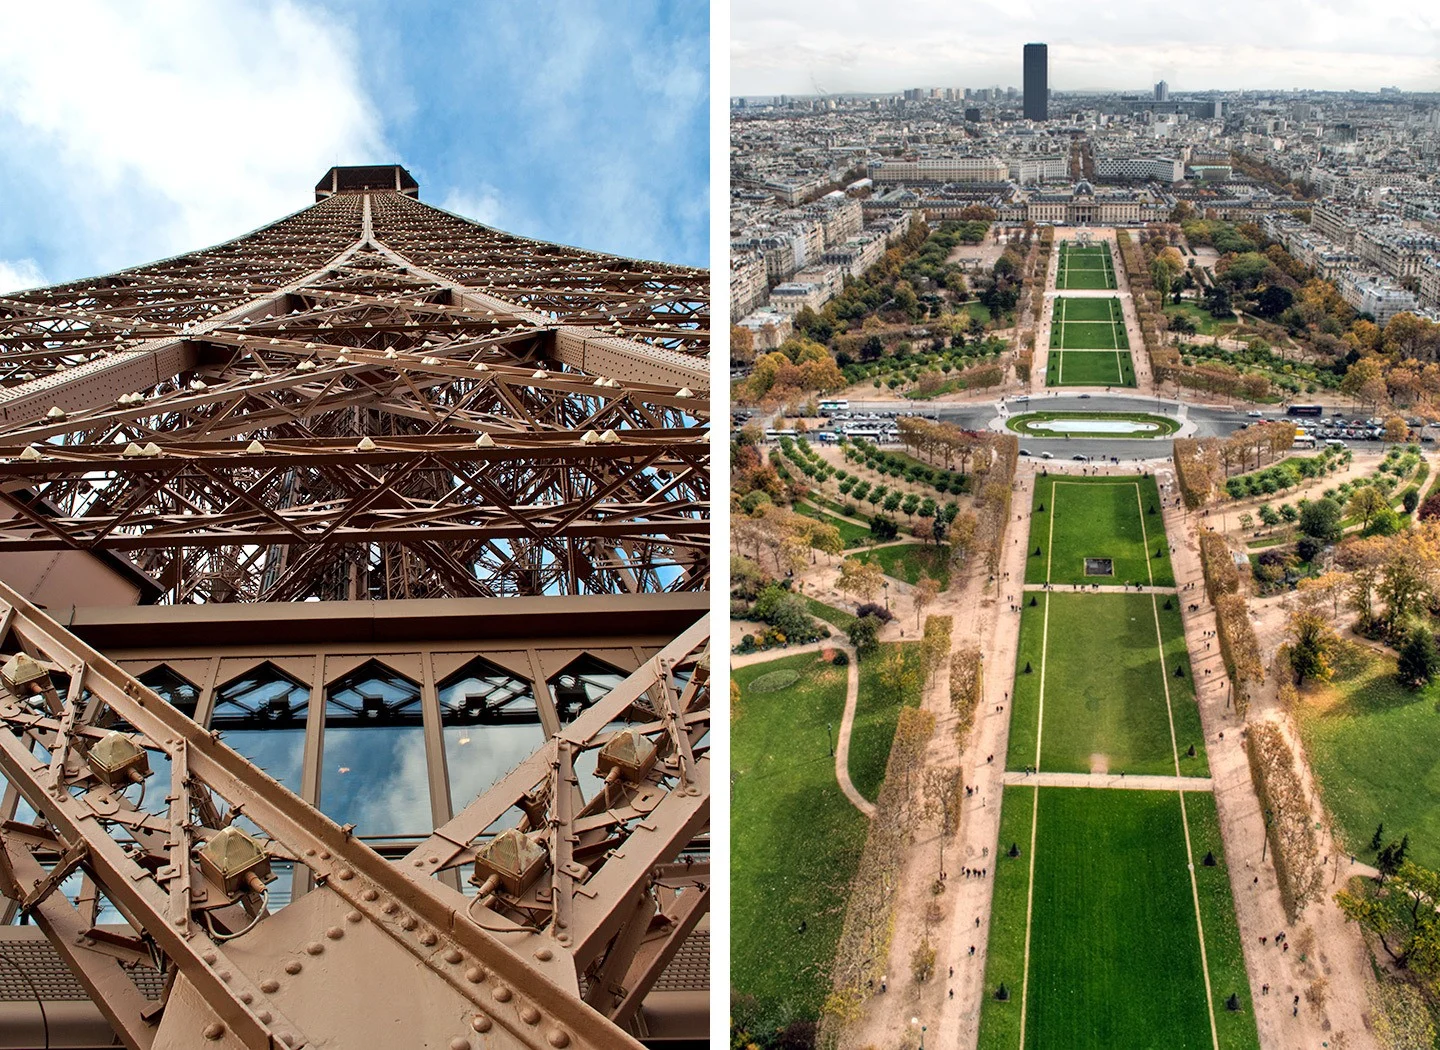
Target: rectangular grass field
x: 1104, y: 713
x: 795, y: 840
x: 1085, y: 268
x: 1107, y: 517
x: 1088, y: 344
x: 1090, y: 368
x: 1114, y: 947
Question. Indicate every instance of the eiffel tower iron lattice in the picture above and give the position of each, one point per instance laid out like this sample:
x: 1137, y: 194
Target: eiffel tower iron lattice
x: 224, y: 479
x: 371, y: 398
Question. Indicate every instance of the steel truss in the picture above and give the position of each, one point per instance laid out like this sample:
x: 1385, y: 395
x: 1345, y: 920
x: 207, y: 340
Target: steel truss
x: 598, y: 894
x: 368, y: 400
x: 536, y: 414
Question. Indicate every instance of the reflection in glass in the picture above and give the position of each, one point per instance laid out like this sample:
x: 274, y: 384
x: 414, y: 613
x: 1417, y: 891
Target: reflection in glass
x: 173, y: 689
x: 374, y: 773
x: 490, y: 726
x: 576, y: 689
x: 261, y: 715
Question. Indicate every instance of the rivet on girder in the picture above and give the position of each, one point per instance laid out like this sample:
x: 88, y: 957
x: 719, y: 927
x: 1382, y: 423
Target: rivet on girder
x: 529, y: 1014
x: 502, y: 994
x: 214, y: 1030
x: 480, y: 1023
x: 314, y: 948
x: 459, y: 1043
x: 293, y: 967
x: 335, y: 932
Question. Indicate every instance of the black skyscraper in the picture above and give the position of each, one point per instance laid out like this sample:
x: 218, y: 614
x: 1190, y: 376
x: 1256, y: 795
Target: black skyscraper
x: 1036, y: 82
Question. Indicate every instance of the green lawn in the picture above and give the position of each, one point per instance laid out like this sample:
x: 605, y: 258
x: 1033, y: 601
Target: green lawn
x: 877, y: 709
x: 838, y: 617
x: 1098, y: 518
x: 906, y: 561
x: 1223, y: 953
x: 795, y: 842
x: 851, y: 535
x: 1104, y: 713
x: 1085, y: 268
x: 1205, y: 324
x: 1090, y: 368
x: 1005, y: 943
x: 1069, y: 310
x: 1114, y: 949
x: 1375, y: 749
x: 1026, y: 423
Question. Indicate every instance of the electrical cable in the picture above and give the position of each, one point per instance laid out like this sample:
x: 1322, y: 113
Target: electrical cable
x: 223, y: 937
x: 44, y: 1019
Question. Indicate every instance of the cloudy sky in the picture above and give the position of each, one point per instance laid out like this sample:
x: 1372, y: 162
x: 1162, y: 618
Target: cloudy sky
x: 129, y: 132
x: 846, y: 45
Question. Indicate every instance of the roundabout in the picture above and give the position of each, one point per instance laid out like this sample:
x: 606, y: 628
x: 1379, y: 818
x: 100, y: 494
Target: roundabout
x: 1092, y: 425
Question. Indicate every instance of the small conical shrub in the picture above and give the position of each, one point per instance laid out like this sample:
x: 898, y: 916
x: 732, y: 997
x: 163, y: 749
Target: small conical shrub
x: 1032, y: 601
x: 1209, y: 861
x: 1014, y: 850
x: 1027, y: 666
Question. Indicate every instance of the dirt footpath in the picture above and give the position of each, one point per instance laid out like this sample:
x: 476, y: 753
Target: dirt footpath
x: 1324, y: 945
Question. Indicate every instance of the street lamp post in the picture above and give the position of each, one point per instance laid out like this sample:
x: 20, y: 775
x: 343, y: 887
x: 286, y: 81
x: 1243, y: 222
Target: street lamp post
x: 829, y: 736
x: 915, y: 1021
x: 1269, y: 815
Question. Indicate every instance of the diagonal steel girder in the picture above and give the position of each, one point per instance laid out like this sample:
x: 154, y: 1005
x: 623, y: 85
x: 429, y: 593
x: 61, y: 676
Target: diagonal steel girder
x: 518, y: 980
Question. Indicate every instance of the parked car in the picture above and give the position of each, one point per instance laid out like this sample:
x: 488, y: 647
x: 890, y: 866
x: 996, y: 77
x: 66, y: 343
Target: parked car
x: 1046, y: 455
x: 1024, y: 452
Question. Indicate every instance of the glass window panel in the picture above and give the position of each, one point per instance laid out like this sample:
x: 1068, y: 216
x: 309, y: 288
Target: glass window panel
x: 374, y: 773
x: 173, y: 689
x: 490, y: 725
x: 261, y: 715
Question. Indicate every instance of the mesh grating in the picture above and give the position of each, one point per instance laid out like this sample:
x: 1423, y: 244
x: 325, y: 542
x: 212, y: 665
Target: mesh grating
x: 689, y: 971
x: 29, y: 967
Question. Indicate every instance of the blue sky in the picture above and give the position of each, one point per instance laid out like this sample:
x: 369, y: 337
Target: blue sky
x: 156, y: 128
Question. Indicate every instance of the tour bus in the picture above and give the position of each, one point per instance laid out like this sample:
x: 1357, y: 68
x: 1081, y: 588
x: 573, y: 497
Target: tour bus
x: 1305, y: 410
x: 1304, y: 442
x: 776, y: 435
x: 833, y: 405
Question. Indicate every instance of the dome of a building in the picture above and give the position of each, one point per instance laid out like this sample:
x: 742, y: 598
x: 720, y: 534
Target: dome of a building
x: 1083, y: 187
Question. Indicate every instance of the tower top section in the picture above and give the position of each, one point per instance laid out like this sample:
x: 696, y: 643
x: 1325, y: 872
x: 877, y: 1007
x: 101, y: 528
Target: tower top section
x: 367, y: 179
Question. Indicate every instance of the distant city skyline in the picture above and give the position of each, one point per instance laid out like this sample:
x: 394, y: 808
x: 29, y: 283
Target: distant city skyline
x: 845, y: 47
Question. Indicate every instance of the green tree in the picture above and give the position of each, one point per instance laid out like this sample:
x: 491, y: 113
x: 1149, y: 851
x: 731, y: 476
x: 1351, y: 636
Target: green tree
x: 1418, y: 659
x: 1321, y: 518
x: 865, y: 634
x: 1312, y: 646
x: 1365, y: 503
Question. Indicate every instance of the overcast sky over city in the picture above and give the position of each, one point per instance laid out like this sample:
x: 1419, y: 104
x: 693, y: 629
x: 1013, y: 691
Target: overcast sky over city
x: 846, y: 45
x: 132, y: 131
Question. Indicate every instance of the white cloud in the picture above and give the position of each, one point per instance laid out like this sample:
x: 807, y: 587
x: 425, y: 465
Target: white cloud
x: 481, y: 204
x: 164, y: 127
x: 1224, y: 44
x: 19, y: 275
